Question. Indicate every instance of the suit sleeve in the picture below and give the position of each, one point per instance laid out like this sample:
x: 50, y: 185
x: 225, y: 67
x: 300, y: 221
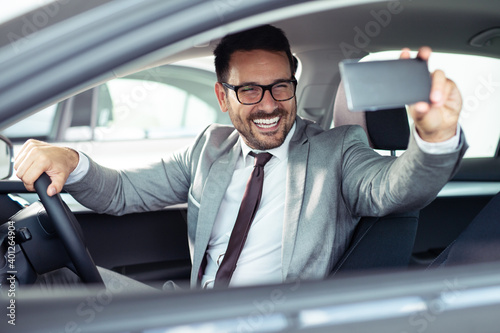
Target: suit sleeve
x: 152, y: 187
x: 374, y: 185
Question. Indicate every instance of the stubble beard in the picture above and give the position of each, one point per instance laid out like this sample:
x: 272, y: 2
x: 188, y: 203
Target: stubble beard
x: 274, y: 139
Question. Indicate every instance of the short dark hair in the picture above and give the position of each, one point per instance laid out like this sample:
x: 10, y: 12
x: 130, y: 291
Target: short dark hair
x: 266, y: 37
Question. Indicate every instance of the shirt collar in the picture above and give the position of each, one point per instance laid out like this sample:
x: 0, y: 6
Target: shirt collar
x: 280, y: 152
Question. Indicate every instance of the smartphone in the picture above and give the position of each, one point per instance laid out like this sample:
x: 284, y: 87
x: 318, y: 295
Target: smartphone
x: 387, y: 84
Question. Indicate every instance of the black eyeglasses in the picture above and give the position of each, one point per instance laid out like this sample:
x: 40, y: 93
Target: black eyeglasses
x: 250, y: 94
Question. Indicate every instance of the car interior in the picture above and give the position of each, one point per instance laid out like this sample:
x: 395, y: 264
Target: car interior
x: 162, y: 255
x: 152, y: 247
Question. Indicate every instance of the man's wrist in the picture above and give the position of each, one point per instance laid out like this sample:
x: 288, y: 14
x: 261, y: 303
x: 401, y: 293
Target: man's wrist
x: 440, y: 136
x: 80, y: 170
x: 73, y: 159
x: 448, y: 146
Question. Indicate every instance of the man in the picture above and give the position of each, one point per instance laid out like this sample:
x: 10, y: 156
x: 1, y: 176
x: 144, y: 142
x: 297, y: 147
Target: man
x: 317, y: 183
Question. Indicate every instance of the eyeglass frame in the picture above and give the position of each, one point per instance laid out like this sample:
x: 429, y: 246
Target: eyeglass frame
x: 264, y: 89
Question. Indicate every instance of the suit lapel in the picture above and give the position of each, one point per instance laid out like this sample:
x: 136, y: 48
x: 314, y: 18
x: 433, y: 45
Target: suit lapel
x: 296, y: 177
x: 215, y: 187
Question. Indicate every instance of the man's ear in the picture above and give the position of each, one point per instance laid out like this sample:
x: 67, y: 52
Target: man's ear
x: 220, y: 92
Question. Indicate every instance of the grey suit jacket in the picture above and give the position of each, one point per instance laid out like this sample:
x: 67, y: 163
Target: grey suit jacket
x: 333, y: 179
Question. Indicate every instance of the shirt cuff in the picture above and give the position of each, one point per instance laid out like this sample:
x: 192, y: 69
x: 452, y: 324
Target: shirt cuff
x: 81, y: 169
x: 437, y: 148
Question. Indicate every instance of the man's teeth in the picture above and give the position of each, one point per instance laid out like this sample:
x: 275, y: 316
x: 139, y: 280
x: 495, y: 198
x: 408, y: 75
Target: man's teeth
x: 266, y: 123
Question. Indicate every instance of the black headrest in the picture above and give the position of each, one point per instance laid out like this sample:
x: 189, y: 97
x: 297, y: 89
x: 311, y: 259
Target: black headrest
x: 386, y: 129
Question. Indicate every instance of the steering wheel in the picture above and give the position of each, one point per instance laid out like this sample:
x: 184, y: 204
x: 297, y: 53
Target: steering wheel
x: 67, y: 228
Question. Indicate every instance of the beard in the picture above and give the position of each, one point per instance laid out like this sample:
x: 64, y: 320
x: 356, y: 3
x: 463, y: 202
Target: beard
x: 262, y: 140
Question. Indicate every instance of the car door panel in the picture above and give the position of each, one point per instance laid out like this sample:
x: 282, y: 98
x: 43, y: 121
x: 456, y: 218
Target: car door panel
x: 149, y: 247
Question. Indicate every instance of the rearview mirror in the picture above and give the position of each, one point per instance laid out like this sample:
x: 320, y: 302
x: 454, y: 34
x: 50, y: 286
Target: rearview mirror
x: 6, y: 158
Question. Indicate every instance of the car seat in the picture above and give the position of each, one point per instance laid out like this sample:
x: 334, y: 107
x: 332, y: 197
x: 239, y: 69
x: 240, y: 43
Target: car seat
x: 478, y: 243
x: 378, y: 242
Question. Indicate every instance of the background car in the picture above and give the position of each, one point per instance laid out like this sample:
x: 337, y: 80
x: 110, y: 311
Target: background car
x: 131, y: 120
x: 60, y: 50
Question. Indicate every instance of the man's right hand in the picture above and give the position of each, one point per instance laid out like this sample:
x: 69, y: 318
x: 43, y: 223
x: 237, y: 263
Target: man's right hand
x: 37, y: 157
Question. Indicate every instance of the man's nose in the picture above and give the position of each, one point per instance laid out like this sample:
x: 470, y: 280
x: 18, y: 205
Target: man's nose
x: 268, y: 102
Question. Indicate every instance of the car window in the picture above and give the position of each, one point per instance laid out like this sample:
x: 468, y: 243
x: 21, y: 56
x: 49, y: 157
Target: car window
x: 146, y: 109
x: 165, y: 102
x: 38, y: 125
x: 478, y: 79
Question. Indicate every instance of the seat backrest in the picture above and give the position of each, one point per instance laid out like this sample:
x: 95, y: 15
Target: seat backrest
x: 378, y: 242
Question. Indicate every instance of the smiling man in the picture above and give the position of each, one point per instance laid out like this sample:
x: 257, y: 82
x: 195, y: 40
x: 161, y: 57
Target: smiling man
x: 262, y: 112
x: 316, y: 183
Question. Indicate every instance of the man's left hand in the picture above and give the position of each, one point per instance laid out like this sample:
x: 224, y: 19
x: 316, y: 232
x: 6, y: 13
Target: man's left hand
x: 436, y: 121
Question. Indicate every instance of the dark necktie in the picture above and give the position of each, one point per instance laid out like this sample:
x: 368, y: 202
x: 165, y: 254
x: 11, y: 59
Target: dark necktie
x: 248, y: 208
